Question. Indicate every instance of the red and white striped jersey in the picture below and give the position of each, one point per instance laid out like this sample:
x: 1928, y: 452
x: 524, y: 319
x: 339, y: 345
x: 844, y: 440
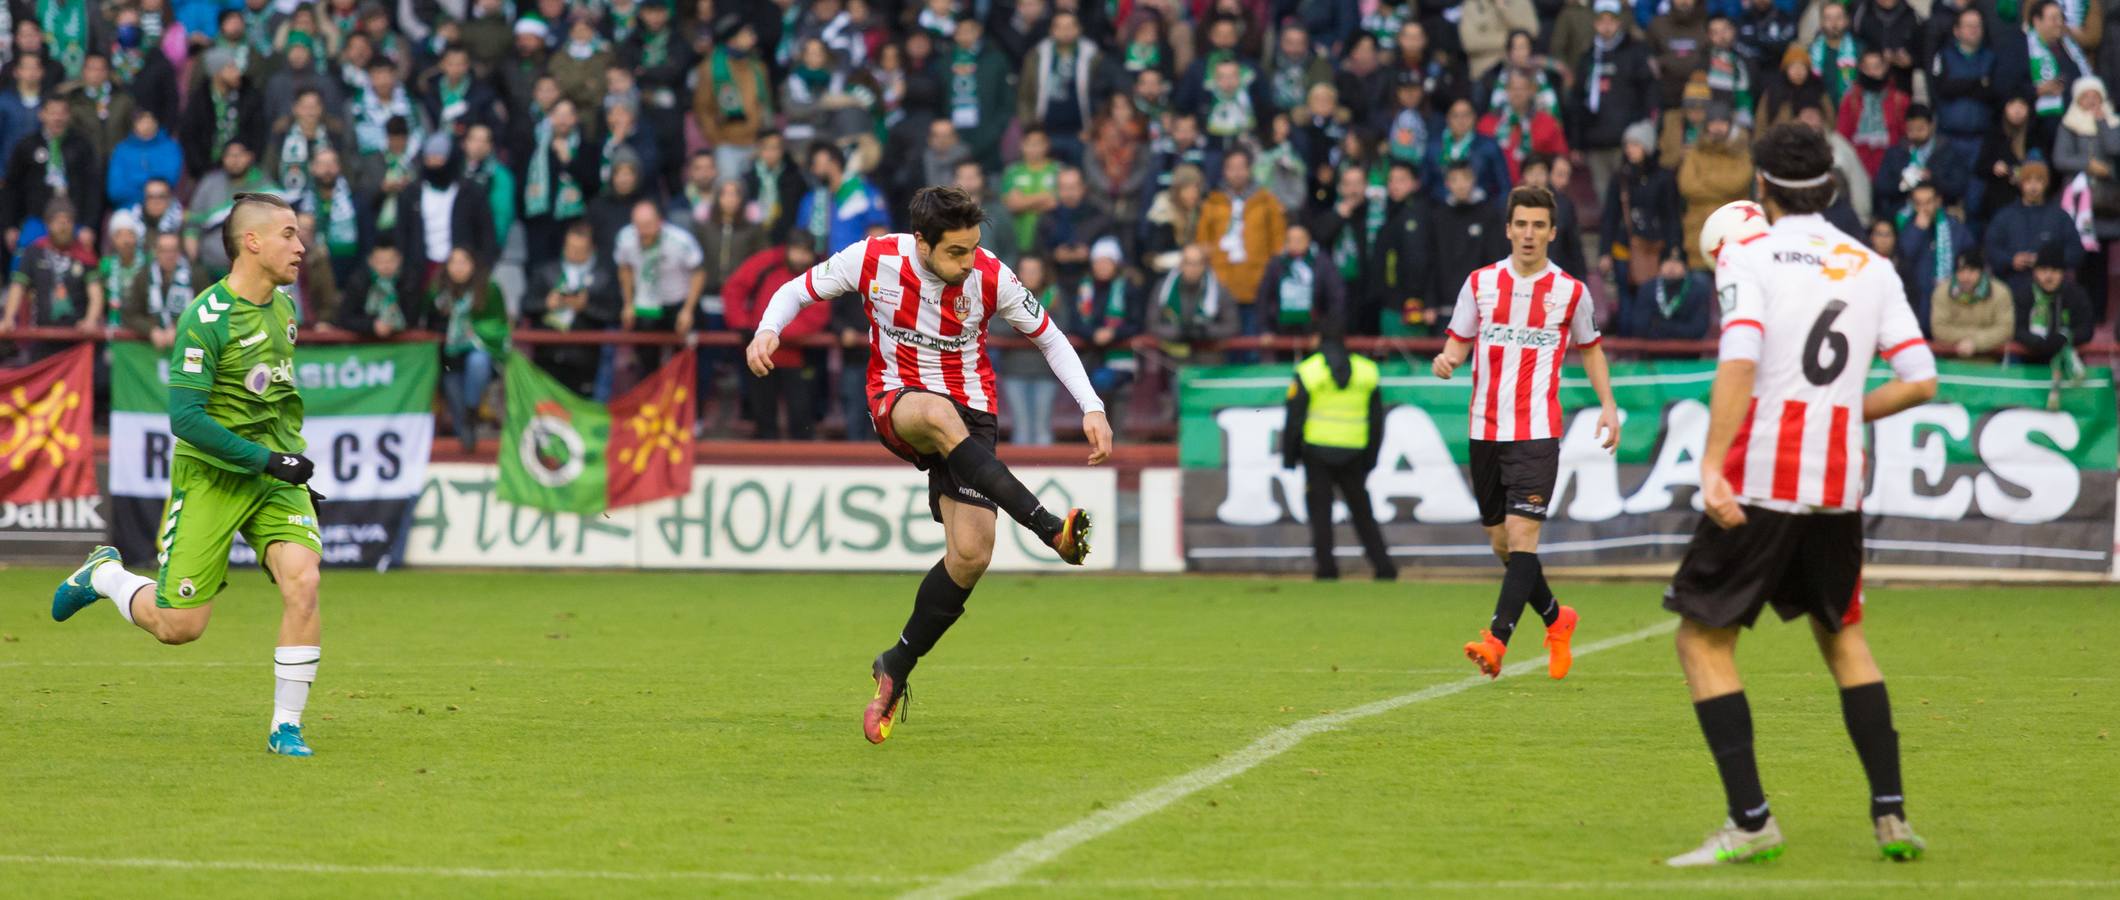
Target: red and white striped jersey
x: 1520, y: 329
x: 926, y: 334
x: 1812, y: 306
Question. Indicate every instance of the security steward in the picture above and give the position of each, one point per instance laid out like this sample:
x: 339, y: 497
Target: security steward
x: 1335, y: 427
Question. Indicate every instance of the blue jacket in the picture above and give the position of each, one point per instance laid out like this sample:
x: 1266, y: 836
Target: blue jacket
x: 134, y: 161
x: 203, y: 16
x: 18, y: 120
x: 1487, y: 163
x: 1646, y: 11
x: 851, y: 221
x: 1964, y: 90
x: 1917, y: 262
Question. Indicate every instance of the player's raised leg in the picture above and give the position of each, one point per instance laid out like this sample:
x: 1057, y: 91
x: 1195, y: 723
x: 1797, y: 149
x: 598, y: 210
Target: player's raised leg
x: 932, y: 425
x: 1867, y: 711
x: 968, y: 533
x: 1709, y: 657
x: 295, y: 569
x: 104, y: 577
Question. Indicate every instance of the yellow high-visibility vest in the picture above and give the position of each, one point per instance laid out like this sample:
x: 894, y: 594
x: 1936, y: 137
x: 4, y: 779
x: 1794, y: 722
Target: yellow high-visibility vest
x: 1339, y: 416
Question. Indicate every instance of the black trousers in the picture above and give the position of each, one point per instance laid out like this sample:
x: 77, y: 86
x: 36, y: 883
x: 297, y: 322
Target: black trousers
x: 1326, y: 469
x: 797, y: 386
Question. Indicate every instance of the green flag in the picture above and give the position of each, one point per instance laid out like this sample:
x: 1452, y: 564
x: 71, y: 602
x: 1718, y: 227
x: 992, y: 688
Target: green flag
x: 552, y: 444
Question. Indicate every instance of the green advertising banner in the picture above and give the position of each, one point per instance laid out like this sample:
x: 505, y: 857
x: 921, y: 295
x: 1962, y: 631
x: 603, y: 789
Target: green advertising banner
x: 2003, y: 469
x: 368, y: 417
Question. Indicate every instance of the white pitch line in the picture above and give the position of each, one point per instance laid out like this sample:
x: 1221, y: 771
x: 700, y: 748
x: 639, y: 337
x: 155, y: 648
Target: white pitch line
x: 1005, y: 869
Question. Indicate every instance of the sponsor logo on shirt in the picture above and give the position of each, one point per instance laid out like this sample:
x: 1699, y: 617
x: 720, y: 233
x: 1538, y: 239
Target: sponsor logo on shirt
x: 931, y: 342
x: 251, y: 340
x: 1520, y: 336
x: 194, y: 360
x: 263, y: 375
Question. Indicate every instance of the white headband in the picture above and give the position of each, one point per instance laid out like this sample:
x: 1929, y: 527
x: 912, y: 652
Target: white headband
x: 1819, y: 181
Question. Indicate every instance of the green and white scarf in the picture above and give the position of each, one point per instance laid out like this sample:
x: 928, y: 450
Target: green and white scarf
x: 1457, y: 149
x: 573, y: 279
x: 295, y: 152
x: 2046, y: 68
x: 1230, y: 114
x: 729, y: 95
x: 342, y: 231
x: 1978, y: 294
x: 1347, y: 252
x: 647, y: 301
x: 458, y: 337
x: 118, y: 274
x: 541, y: 195
x: 66, y: 32
x: 125, y: 64
x: 455, y: 99
x: 1727, y: 74
x: 654, y: 48
x: 1299, y: 287
x: 1143, y: 56
x: 227, y: 110
x: 1509, y: 122
x: 1287, y: 83
x: 168, y: 295
x: 1545, y: 99
x: 1670, y: 295
x: 1870, y: 128
x: 54, y: 166
x: 381, y: 304
x: 768, y: 191
x: 371, y: 120
x: 1841, y: 72
x: 396, y: 168
x: 257, y: 29
x: 964, y: 88
x: 2050, y: 315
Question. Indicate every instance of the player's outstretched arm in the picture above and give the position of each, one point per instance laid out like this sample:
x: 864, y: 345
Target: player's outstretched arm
x: 1024, y: 313
x: 825, y: 281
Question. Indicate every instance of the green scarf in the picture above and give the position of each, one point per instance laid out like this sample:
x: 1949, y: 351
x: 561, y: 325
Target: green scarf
x: 814, y: 82
x: 226, y: 112
x: 647, y: 301
x: 1979, y: 293
x: 257, y: 29
x: 1347, y: 253
x: 1870, y: 128
x: 342, y: 232
x: 381, y: 304
x: 1545, y: 99
x: 2049, y: 315
x: 540, y: 194
x: 2046, y: 68
x: 66, y: 32
x: 125, y: 64
x: 1230, y: 114
x: 54, y: 166
x: 1509, y: 119
x: 728, y: 95
x: 573, y: 279
x: 655, y: 48
x: 396, y: 168
x: 458, y: 337
x: 455, y: 102
x: 118, y: 276
x: 1941, y: 256
x: 1287, y: 83
x: 1842, y: 71
x: 964, y: 88
x: 1299, y: 287
x: 1727, y: 74
x: 295, y: 152
x: 166, y: 301
x: 768, y: 191
x: 1456, y: 149
x: 1143, y: 56
x: 820, y: 224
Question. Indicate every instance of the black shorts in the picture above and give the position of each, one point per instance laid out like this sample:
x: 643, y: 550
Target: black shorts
x: 1514, y: 478
x: 1800, y: 563
x: 983, y: 426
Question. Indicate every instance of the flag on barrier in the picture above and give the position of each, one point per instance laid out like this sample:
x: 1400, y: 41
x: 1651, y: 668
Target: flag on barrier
x: 46, y: 415
x: 565, y: 453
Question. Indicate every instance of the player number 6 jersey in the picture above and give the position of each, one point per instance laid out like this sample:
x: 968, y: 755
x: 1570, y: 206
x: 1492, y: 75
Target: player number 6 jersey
x: 1812, y: 307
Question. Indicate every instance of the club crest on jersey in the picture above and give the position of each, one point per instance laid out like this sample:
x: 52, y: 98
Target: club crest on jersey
x: 290, y: 332
x: 1727, y: 297
x: 964, y: 305
x: 186, y: 589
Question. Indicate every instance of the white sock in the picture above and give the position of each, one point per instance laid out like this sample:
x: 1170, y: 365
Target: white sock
x: 293, y: 668
x: 111, y: 580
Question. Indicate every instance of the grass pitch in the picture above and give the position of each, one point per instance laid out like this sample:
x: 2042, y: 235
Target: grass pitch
x: 570, y: 735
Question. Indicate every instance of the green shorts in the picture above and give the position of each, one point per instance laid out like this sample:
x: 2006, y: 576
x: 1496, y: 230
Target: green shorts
x: 207, y: 507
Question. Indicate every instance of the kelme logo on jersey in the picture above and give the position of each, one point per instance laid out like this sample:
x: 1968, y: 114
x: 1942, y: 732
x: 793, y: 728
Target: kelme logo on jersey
x: 1520, y: 336
x: 551, y: 447
x: 263, y: 375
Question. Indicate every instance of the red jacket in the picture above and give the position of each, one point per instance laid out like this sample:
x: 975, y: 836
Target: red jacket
x: 1896, y: 103
x: 745, y: 293
x: 1547, y: 139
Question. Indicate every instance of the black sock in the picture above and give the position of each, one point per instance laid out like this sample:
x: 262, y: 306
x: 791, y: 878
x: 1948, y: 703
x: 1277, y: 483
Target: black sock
x: 1868, y: 713
x: 935, y: 608
x: 976, y: 467
x: 1542, y: 602
x: 1727, y: 723
x: 1519, y: 579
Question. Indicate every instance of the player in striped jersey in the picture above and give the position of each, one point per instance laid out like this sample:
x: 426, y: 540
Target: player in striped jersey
x: 1805, y: 310
x: 929, y: 296
x: 1522, y: 314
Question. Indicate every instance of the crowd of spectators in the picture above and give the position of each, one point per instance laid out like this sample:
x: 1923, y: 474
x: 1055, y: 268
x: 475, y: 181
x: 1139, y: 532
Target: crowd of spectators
x: 1180, y: 170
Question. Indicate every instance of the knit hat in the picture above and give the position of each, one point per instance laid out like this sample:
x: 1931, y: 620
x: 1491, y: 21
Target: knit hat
x: 1107, y: 247
x: 1796, y: 55
x: 1607, y: 7
x: 219, y: 58
x: 1720, y: 111
x: 1641, y: 133
x: 437, y: 144
x: 303, y: 40
x: 1920, y: 111
x: 532, y: 26
x: 2051, y: 256
x: 1697, y: 91
x: 126, y: 220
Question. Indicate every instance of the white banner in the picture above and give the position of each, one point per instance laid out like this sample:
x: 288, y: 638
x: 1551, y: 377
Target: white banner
x: 369, y: 457
x: 861, y: 518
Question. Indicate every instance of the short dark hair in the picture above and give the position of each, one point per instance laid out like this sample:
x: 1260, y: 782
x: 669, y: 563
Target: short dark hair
x: 1406, y: 164
x: 1793, y: 152
x: 1972, y: 258
x: 231, y: 236
x: 1529, y: 197
x: 935, y: 210
x: 1237, y: 152
x: 830, y: 151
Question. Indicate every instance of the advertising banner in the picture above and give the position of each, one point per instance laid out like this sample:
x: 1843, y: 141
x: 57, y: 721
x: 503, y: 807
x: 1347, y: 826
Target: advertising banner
x: 819, y: 518
x: 2003, y: 470
x: 368, y: 418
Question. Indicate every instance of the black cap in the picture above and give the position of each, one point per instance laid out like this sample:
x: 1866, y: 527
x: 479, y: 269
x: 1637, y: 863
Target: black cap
x: 2052, y: 256
x: 1920, y: 111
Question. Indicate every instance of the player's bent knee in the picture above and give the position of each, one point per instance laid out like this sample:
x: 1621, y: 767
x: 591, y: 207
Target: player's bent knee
x: 300, y: 584
x: 170, y: 630
x: 968, y: 565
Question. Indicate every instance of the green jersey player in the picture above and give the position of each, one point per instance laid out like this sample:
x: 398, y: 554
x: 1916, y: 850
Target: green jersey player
x: 238, y: 467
